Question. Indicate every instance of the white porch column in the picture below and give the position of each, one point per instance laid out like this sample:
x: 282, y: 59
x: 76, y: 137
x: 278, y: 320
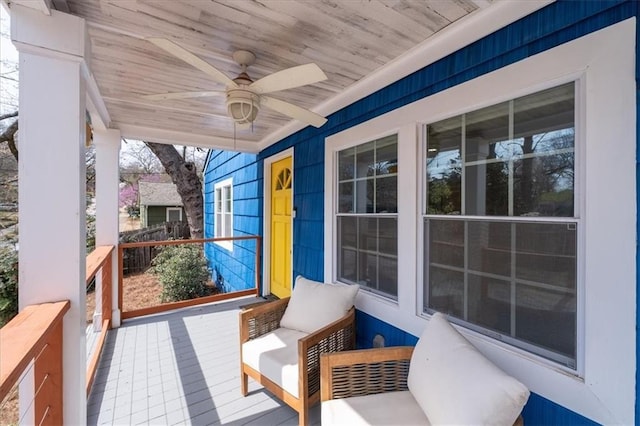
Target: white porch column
x: 51, y: 176
x: 107, y: 145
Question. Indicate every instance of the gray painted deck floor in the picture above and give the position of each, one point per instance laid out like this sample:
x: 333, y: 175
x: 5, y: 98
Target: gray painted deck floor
x: 181, y: 368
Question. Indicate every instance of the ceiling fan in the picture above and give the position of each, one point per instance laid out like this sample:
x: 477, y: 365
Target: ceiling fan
x: 245, y: 97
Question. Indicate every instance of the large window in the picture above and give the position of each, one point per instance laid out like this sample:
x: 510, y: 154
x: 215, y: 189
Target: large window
x: 224, y: 211
x: 366, y: 220
x: 500, y: 222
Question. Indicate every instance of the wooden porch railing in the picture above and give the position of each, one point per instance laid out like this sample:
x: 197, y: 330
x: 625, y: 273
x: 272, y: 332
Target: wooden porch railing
x: 99, y: 262
x: 191, y: 302
x: 35, y: 334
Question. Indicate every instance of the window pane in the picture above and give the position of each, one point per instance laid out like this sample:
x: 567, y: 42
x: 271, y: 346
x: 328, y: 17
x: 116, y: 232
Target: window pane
x: 487, y: 133
x: 388, y: 236
x: 219, y: 200
x: 368, y: 271
x: 388, y: 275
x: 174, y: 215
x: 545, y: 113
x: 387, y: 155
x: 368, y: 234
x: 365, y: 164
x: 227, y: 196
x: 490, y: 303
x: 345, y: 202
x: 346, y: 164
x: 546, y: 253
x: 547, y: 318
x: 446, y: 291
x: 387, y: 194
x: 446, y: 242
x: 490, y: 247
x: 444, y: 166
x: 347, y: 248
x: 227, y: 225
x: 218, y: 224
x: 543, y: 186
x: 487, y: 190
x: 365, y: 190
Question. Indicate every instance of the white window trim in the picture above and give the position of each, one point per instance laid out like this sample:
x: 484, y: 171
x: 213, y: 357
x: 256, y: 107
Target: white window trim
x: 607, y: 266
x: 228, y: 245
x: 172, y: 209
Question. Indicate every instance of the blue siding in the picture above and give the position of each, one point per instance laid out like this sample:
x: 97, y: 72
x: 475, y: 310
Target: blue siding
x: 549, y: 27
x: 234, y: 270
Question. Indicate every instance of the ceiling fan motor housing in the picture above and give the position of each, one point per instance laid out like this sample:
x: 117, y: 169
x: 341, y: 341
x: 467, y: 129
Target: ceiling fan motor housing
x: 242, y: 105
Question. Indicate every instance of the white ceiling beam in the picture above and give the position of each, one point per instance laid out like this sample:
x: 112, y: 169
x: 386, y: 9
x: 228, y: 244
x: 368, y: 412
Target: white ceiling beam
x: 174, y: 137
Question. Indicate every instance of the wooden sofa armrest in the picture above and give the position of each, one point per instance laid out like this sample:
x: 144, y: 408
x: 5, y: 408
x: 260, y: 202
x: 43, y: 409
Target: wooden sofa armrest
x: 337, y: 336
x: 364, y: 372
x: 261, y: 319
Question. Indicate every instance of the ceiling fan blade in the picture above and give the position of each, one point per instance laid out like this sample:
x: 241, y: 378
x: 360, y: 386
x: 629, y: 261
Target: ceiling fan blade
x: 289, y: 78
x: 190, y: 58
x: 183, y: 95
x: 293, y: 111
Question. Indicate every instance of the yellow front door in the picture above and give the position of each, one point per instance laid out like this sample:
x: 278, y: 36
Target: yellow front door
x: 281, y: 194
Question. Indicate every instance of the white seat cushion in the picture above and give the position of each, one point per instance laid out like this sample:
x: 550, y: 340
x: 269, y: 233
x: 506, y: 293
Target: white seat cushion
x: 389, y: 408
x: 275, y: 356
x: 456, y: 384
x: 314, y: 305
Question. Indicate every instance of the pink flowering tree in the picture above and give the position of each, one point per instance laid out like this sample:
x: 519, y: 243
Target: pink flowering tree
x: 128, y: 196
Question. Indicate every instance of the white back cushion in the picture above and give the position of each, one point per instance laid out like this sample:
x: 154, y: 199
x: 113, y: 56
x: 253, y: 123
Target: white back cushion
x: 456, y: 384
x: 314, y: 305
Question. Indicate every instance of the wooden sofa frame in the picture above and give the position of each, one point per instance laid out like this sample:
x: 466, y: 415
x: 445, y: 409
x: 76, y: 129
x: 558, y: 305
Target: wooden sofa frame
x: 367, y: 372
x: 337, y: 336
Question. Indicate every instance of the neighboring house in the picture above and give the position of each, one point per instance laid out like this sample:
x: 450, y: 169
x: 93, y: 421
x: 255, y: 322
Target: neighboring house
x: 159, y: 203
x: 497, y: 185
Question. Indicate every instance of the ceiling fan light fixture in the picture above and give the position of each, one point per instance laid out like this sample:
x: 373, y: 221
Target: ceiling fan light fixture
x: 243, y: 106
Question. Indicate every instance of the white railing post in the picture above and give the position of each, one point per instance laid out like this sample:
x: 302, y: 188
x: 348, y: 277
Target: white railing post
x: 107, y: 145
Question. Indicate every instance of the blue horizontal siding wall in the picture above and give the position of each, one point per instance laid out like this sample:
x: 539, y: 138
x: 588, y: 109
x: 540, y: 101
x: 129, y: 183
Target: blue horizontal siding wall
x: 549, y: 27
x: 234, y: 270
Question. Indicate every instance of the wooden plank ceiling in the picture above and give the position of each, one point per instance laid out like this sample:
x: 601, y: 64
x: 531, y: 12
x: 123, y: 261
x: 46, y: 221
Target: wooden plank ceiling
x: 348, y: 39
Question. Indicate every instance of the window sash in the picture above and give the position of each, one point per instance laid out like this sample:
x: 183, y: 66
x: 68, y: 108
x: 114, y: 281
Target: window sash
x: 366, y: 214
x: 459, y: 268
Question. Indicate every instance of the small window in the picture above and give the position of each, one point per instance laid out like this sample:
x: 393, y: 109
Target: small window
x: 174, y: 214
x: 500, y: 222
x: 224, y: 212
x: 367, y: 220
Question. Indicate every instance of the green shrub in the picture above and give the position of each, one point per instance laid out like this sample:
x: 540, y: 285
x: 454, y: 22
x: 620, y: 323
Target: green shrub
x: 8, y: 284
x: 182, y: 271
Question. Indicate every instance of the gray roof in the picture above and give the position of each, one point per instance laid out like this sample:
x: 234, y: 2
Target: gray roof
x: 158, y: 194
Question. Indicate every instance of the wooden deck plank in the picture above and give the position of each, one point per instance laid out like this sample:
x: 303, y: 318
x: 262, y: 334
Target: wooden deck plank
x: 181, y: 367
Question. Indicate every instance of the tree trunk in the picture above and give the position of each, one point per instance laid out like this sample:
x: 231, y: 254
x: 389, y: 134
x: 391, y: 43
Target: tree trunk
x: 184, y: 175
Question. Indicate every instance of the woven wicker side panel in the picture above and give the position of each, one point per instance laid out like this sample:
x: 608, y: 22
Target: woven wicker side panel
x: 266, y: 322
x: 368, y: 379
x: 341, y: 340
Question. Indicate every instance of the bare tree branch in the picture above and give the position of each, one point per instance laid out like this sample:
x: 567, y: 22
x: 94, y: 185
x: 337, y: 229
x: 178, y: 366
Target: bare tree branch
x: 9, y: 136
x: 10, y: 115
